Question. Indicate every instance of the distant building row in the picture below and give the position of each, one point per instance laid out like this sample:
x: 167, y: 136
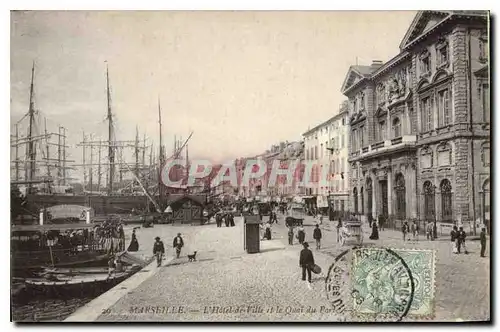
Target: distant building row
x: 413, y: 139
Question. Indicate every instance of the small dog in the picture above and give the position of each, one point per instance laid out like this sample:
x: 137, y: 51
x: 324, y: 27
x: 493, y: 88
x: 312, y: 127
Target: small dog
x: 192, y: 257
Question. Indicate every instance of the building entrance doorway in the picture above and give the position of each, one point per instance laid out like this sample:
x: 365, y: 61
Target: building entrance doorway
x: 369, y: 197
x: 383, y: 192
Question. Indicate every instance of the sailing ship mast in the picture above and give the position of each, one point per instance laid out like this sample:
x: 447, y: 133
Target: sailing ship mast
x: 31, y: 145
x: 136, y: 151
x: 111, y: 151
x: 160, y: 191
x: 187, y: 168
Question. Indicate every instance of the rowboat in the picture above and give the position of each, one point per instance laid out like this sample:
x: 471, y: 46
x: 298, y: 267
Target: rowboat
x: 65, y: 284
x: 75, y: 271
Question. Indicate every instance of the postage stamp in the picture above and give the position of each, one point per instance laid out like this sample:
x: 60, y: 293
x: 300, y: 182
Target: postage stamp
x: 392, y: 283
x: 421, y: 263
x: 234, y: 166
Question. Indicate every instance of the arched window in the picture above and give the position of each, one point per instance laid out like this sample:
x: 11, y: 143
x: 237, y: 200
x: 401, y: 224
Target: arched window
x: 369, y: 196
x: 396, y: 127
x: 355, y: 197
x: 381, y: 131
x: 361, y: 193
x: 429, y: 201
x: 446, y: 207
x: 400, y: 196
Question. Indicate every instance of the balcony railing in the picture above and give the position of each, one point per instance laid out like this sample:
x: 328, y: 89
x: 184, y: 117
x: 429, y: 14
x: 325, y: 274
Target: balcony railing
x: 378, y: 145
x: 398, y: 140
x: 386, y: 145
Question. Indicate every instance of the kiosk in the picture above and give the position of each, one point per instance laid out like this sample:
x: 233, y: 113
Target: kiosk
x: 252, y: 234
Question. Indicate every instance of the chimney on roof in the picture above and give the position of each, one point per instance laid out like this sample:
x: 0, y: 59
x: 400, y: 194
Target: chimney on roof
x: 376, y: 64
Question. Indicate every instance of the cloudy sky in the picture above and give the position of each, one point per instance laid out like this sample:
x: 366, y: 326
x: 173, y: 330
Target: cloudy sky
x: 241, y: 81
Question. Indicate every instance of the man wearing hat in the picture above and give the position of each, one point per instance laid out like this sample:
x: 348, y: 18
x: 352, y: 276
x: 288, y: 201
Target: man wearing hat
x: 306, y: 262
x: 178, y: 244
x: 158, y: 250
x: 317, y: 237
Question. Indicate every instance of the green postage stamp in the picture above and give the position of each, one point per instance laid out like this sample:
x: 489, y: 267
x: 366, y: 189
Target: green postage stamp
x: 392, y: 283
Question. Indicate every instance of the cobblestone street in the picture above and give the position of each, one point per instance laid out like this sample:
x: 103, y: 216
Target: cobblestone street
x: 212, y: 130
x: 248, y: 286
x: 225, y: 276
x: 462, y: 281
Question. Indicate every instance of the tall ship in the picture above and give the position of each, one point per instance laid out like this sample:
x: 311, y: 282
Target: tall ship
x: 111, y: 185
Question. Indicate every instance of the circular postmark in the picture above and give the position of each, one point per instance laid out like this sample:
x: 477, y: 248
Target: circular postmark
x: 370, y: 284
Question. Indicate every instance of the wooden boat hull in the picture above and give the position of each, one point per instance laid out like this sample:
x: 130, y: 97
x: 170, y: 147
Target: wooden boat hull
x: 77, y: 271
x: 86, y: 285
x: 81, y: 259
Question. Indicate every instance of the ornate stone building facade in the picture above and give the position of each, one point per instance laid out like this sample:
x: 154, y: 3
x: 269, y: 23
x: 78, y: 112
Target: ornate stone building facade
x: 420, y: 123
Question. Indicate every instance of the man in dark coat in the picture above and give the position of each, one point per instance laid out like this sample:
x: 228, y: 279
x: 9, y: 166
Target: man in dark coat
x: 317, y: 237
x: 290, y: 235
x: 461, y: 240
x: 306, y: 262
x: 274, y: 217
x: 178, y: 244
x: 301, y: 235
x: 218, y: 220
x: 158, y: 250
x: 482, y: 238
x: 231, y: 219
x: 339, y: 226
x: 405, y: 230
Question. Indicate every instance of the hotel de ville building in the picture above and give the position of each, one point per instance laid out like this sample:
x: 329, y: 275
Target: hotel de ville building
x: 419, y: 145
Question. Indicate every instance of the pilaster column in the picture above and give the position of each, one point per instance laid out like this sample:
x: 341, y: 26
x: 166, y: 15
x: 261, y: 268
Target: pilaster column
x: 375, y: 194
x: 388, y: 126
x: 360, y: 198
x: 407, y: 122
x: 389, y: 190
x: 414, y: 191
x: 437, y: 196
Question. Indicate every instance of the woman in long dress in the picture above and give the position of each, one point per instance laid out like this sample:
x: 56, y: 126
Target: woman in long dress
x: 374, y: 235
x: 134, y: 244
